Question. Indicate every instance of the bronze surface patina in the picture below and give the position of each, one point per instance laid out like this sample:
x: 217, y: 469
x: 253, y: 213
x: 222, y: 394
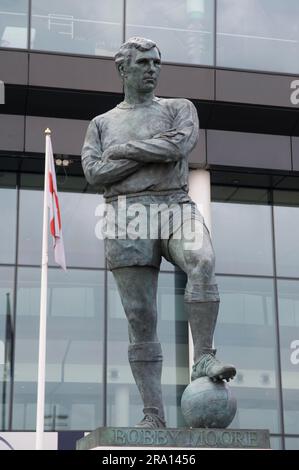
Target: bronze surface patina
x: 138, y: 151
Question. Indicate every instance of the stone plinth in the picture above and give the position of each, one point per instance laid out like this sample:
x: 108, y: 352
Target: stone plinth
x: 175, y: 438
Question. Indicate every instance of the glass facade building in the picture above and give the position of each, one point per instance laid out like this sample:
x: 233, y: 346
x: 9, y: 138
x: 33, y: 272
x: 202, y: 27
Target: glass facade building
x: 243, y: 34
x: 88, y: 376
x: 236, y: 60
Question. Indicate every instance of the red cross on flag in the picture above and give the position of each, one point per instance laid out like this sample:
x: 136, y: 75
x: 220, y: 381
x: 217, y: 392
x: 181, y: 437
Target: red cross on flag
x: 54, y: 209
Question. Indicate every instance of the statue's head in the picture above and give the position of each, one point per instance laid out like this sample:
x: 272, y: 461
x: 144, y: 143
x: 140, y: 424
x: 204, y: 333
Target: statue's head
x: 138, y: 62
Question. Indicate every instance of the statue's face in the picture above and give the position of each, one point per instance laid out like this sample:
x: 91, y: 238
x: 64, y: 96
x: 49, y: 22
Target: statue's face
x: 143, y: 71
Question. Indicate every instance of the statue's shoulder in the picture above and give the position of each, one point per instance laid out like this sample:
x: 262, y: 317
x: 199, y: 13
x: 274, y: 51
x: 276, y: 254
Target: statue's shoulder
x: 102, y: 118
x: 175, y: 103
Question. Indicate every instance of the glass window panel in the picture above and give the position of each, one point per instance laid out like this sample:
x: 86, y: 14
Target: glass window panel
x: 286, y: 198
x: 242, y: 238
x: 74, y: 349
x: 183, y: 29
x: 288, y: 303
x: 82, y: 247
x: 286, y: 222
x: 34, y: 180
x: 173, y: 334
x: 275, y: 442
x: 66, y: 183
x: 89, y: 27
x: 258, y: 34
x: 7, y: 179
x: 292, y: 443
x: 8, y: 211
x: 14, y: 23
x: 239, y: 194
x: 6, y: 342
x: 246, y: 336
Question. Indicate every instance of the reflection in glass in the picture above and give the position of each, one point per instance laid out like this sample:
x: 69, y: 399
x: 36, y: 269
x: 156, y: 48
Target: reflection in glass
x: 275, y: 443
x: 258, y: 34
x: 246, y: 336
x: 13, y: 23
x: 124, y: 404
x: 89, y: 27
x: 183, y: 29
x: 288, y: 303
x: 239, y: 194
x: 6, y: 343
x: 82, y: 247
x: 242, y: 238
x: 292, y: 443
x: 286, y: 220
x: 74, y: 349
x: 8, y: 210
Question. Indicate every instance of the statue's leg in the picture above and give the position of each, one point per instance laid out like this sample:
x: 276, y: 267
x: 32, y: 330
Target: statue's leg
x: 137, y: 286
x: 201, y: 302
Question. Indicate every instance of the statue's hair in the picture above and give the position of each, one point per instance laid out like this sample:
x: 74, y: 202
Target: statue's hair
x: 141, y: 44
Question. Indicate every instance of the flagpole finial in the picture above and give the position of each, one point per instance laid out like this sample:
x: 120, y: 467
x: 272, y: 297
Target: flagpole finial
x: 48, y: 131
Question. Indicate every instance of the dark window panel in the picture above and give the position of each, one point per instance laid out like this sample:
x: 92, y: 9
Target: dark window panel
x: 243, y: 149
x: 14, y: 67
x: 67, y: 135
x: 12, y: 132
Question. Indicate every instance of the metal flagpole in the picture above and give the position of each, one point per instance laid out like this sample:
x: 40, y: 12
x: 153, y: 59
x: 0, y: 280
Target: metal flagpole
x: 43, y: 312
